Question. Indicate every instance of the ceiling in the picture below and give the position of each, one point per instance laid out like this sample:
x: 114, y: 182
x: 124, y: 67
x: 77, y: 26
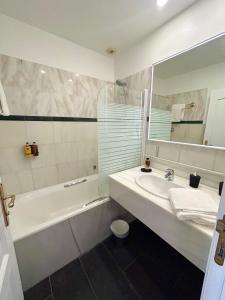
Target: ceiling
x: 210, y: 53
x: 95, y: 24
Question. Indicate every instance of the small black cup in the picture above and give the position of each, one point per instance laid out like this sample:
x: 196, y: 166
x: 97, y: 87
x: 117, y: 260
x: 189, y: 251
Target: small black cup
x: 194, y: 180
x: 220, y: 188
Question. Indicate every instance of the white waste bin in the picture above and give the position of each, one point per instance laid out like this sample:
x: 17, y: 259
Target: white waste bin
x: 120, y: 229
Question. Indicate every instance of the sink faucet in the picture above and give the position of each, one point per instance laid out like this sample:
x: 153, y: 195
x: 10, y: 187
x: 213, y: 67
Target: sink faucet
x: 169, y: 174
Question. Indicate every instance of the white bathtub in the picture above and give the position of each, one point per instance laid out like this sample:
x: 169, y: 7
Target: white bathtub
x: 55, y: 225
x: 37, y: 210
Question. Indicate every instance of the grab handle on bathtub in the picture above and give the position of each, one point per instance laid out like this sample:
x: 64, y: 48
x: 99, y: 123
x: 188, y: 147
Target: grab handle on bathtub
x: 74, y: 183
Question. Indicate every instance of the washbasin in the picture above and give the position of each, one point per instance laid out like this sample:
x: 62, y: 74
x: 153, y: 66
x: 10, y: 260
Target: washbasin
x: 155, y: 185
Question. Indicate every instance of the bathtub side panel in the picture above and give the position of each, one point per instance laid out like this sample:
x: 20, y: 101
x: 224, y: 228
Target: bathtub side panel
x: 93, y: 226
x: 43, y: 253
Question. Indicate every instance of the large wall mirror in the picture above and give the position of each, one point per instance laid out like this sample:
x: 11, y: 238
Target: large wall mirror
x: 188, y: 97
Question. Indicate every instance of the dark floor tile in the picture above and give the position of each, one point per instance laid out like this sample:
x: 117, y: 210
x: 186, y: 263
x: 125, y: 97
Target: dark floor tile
x: 163, y: 273
x: 161, y: 269
x: 41, y: 291
x: 144, y: 284
x: 189, y: 285
x: 70, y: 283
x: 160, y: 265
x: 107, y: 279
x: 49, y: 298
x: 125, y: 253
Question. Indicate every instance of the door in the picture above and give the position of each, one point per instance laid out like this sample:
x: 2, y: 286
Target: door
x: 10, y: 283
x: 215, y: 133
x: 214, y: 282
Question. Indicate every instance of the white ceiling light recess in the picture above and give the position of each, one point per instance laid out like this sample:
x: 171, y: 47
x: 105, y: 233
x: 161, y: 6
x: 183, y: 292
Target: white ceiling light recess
x: 161, y: 3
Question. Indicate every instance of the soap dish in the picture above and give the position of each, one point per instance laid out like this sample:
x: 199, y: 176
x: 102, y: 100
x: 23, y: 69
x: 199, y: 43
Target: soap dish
x: 146, y: 170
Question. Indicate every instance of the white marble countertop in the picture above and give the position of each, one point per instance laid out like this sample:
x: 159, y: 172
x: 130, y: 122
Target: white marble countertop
x: 127, y: 178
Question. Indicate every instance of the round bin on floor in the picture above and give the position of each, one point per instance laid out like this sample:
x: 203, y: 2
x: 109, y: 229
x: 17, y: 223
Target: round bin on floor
x: 120, y: 230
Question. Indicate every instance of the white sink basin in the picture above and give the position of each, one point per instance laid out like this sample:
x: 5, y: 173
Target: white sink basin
x: 155, y: 185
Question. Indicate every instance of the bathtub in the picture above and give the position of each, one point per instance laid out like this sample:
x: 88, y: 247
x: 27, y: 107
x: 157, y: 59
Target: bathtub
x: 52, y: 226
x: 40, y: 209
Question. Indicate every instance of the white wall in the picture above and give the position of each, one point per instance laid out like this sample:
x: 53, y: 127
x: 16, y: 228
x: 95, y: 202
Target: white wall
x: 24, y: 41
x: 211, y: 77
x: 198, y: 23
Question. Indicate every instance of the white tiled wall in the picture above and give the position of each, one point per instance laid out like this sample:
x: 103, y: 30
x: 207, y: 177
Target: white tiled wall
x: 198, y: 158
x: 67, y: 150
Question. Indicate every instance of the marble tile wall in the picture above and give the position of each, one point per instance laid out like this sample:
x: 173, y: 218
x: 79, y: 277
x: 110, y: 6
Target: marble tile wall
x: 199, y: 97
x: 38, y: 90
x: 161, y: 102
x: 136, y: 84
x: 188, y: 133
x: 67, y: 150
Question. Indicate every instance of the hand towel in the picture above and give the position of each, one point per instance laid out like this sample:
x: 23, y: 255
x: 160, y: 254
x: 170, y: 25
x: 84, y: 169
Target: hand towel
x: 193, y: 200
x: 193, y: 205
x: 178, y: 112
x: 4, y: 109
x: 202, y: 219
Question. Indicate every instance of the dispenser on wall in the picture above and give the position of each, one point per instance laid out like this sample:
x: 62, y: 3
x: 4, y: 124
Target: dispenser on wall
x: 27, y: 150
x: 34, y: 149
x: 31, y: 150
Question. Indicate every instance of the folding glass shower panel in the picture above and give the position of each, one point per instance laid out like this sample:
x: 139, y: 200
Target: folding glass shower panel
x: 161, y: 124
x: 120, y: 131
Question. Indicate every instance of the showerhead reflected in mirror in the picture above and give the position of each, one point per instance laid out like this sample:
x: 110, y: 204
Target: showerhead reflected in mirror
x: 188, y: 97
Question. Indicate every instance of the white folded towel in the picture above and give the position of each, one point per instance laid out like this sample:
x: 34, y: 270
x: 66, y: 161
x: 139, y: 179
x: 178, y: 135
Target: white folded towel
x: 192, y: 200
x: 193, y: 205
x: 178, y: 112
x: 203, y: 219
x: 4, y: 109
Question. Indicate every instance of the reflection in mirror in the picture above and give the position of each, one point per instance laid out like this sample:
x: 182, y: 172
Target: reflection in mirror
x: 188, y: 97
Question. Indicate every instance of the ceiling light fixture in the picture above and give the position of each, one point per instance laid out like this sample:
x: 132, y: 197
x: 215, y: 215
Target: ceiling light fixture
x: 77, y: 74
x: 161, y: 3
x: 111, y: 51
x: 43, y: 72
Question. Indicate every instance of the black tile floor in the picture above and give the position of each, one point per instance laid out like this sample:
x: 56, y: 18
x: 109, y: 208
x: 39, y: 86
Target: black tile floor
x: 142, y: 267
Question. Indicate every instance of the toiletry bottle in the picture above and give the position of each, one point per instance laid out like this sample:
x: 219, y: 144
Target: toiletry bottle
x: 27, y: 150
x: 147, y: 163
x: 34, y: 149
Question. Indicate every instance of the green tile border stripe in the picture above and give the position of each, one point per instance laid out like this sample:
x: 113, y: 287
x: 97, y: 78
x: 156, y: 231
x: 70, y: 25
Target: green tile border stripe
x: 185, y: 122
x: 188, y: 122
x: 46, y: 118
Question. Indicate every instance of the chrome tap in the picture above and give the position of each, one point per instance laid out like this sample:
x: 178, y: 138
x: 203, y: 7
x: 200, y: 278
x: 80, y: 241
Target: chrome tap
x: 169, y: 174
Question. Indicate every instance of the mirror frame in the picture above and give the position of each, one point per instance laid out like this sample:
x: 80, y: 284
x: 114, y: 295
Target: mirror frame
x: 151, y: 93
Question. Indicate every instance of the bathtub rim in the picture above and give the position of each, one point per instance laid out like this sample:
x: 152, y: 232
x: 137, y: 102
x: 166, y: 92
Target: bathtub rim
x: 56, y: 187
x: 38, y: 228
x: 30, y: 230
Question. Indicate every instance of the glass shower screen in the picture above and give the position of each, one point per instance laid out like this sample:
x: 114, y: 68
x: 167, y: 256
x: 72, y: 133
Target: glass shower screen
x: 120, y: 131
